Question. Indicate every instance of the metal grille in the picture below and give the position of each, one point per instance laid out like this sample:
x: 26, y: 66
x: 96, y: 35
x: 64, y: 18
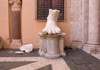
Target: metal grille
x: 59, y: 4
x: 43, y: 7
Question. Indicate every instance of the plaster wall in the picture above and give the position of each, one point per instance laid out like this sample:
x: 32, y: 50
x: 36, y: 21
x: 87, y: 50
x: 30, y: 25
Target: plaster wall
x: 4, y: 22
x: 30, y: 27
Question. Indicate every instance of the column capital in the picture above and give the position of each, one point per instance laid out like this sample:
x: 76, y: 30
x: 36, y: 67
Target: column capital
x: 15, y: 4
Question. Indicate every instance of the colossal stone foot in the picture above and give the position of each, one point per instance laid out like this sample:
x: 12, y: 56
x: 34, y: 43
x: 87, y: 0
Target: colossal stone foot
x: 51, y: 25
x: 51, y: 30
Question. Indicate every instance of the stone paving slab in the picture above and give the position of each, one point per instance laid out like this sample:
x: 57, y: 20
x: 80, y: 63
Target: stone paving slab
x: 11, y: 65
x: 80, y: 60
x: 74, y: 66
x: 11, y: 53
x: 48, y: 67
x: 75, y: 59
x: 94, y: 67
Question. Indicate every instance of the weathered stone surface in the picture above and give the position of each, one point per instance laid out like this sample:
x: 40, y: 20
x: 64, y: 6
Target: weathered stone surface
x: 52, y: 46
x: 41, y: 63
x: 94, y: 67
x: 47, y: 67
x: 16, y: 23
x: 84, y: 25
x: 80, y: 60
x: 11, y: 53
x: 93, y: 43
x: 16, y: 43
x: 15, y: 4
x: 11, y: 65
x: 79, y: 23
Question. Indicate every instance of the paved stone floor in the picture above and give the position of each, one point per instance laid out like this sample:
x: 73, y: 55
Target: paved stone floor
x: 97, y: 55
x: 75, y: 60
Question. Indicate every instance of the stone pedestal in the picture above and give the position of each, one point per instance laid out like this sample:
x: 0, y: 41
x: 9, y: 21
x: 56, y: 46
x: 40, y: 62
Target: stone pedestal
x: 93, y: 44
x: 76, y: 44
x: 16, y: 43
x: 16, y: 23
x: 52, y: 46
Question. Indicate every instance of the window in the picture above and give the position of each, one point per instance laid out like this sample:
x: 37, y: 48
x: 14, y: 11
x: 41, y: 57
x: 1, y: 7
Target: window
x: 43, y: 7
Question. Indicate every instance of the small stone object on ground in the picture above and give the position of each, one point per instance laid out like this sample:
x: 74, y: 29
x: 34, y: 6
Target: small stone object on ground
x: 11, y: 52
x: 19, y: 52
x: 27, y: 48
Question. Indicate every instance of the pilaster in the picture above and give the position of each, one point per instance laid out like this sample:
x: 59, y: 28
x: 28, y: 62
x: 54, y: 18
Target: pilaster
x: 93, y: 43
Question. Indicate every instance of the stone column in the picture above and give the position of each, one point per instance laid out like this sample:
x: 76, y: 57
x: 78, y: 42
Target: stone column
x: 16, y: 23
x: 93, y: 44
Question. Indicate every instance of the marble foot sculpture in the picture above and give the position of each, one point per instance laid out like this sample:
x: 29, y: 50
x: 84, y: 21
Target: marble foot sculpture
x: 51, y: 25
x: 51, y: 38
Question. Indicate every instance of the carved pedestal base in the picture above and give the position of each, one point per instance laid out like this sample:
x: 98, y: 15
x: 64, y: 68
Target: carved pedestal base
x: 52, y: 46
x: 91, y: 48
x: 77, y: 44
x: 16, y: 43
x: 52, y: 56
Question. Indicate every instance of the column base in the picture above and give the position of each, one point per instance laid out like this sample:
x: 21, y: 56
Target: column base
x: 52, y: 56
x: 16, y: 43
x: 91, y: 49
x: 77, y: 44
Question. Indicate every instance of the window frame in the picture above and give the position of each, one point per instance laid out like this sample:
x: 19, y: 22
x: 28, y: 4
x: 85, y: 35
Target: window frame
x: 44, y: 17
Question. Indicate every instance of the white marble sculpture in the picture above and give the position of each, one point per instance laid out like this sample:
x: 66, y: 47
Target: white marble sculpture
x: 51, y: 25
x: 51, y: 38
x: 26, y: 48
